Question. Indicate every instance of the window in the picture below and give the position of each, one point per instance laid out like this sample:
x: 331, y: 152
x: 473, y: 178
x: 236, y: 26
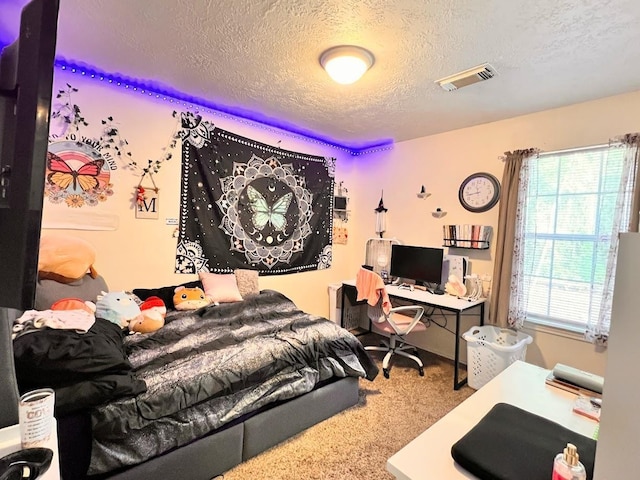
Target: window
x: 567, y: 229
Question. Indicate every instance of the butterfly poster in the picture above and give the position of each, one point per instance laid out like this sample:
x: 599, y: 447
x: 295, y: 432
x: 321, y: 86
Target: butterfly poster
x: 245, y: 204
x: 77, y: 185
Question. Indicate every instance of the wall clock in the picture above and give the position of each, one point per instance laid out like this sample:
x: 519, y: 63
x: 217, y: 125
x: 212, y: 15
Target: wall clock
x: 479, y: 192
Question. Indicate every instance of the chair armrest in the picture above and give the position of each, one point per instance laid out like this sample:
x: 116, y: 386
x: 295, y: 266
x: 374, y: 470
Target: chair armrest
x: 402, y: 330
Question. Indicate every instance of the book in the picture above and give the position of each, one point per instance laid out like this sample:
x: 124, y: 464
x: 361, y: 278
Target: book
x: 570, y: 387
x: 475, y: 236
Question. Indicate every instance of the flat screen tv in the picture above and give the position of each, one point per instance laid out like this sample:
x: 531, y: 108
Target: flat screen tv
x: 26, y: 79
x: 421, y: 264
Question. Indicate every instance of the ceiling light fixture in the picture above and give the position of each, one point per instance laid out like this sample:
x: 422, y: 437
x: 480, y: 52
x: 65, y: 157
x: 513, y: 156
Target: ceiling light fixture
x: 345, y: 64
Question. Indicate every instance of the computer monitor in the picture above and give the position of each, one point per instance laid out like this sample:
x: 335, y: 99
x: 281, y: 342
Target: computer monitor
x: 421, y: 264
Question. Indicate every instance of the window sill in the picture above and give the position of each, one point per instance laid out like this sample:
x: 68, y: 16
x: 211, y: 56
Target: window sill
x: 552, y: 328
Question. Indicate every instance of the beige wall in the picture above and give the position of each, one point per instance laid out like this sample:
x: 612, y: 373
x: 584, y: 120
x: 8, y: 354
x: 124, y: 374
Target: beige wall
x: 441, y: 162
x: 140, y: 253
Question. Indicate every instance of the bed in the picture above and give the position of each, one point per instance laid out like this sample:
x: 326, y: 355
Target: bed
x: 220, y: 384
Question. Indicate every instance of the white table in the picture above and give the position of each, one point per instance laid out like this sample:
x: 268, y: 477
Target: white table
x: 445, y: 302
x: 10, y: 442
x: 522, y: 385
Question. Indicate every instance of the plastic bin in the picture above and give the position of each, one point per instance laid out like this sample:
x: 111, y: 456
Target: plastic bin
x: 335, y: 302
x: 490, y: 350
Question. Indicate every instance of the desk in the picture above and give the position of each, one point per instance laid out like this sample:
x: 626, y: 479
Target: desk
x: 522, y: 385
x: 10, y: 442
x: 444, y: 302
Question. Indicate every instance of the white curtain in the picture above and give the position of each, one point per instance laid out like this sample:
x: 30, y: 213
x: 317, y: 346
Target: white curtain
x: 598, y: 328
x: 625, y: 219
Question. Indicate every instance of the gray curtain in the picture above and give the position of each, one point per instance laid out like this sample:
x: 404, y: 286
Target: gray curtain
x: 505, y: 236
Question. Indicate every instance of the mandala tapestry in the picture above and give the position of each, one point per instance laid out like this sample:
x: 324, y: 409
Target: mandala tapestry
x: 244, y: 204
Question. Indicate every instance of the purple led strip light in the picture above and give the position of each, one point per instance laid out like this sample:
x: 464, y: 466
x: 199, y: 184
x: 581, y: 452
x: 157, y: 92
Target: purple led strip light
x: 173, y: 96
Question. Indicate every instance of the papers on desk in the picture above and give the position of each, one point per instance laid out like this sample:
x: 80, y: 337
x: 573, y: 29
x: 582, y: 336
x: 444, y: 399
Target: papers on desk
x: 587, y: 403
x: 588, y: 407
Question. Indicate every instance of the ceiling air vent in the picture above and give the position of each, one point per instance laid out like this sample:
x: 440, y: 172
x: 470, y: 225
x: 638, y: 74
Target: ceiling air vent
x: 468, y: 77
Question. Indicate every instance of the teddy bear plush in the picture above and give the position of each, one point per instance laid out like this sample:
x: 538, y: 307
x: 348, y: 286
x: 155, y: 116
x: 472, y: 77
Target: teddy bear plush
x: 117, y: 307
x: 190, y: 298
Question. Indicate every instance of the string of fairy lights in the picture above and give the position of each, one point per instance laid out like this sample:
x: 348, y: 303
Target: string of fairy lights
x: 179, y: 99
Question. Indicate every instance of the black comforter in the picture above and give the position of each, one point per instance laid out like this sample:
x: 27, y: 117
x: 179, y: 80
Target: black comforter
x: 206, y: 367
x: 84, y: 369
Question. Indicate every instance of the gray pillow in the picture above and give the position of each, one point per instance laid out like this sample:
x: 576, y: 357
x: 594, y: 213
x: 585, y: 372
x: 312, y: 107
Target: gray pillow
x: 86, y: 288
x: 247, y: 281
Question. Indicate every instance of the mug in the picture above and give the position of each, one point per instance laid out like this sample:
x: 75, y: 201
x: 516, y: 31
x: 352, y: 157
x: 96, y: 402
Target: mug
x: 36, y: 417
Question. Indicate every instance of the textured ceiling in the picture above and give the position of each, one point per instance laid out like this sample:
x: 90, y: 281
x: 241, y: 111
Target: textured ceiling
x: 262, y: 56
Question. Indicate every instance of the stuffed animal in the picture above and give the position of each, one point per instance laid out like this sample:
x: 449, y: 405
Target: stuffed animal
x: 153, y: 312
x: 190, y: 298
x: 65, y: 258
x: 74, y: 304
x: 455, y: 287
x: 117, y: 307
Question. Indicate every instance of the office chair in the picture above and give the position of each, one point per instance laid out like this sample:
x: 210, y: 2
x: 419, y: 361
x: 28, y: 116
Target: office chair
x: 390, y: 320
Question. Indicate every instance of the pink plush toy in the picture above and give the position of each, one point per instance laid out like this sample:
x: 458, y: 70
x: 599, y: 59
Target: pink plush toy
x: 74, y: 304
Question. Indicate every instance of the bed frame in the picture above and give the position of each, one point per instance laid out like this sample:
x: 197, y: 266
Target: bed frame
x: 213, y: 455
x: 209, y: 456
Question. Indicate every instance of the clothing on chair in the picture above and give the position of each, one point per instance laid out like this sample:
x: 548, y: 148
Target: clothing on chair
x: 393, y: 322
x: 370, y: 287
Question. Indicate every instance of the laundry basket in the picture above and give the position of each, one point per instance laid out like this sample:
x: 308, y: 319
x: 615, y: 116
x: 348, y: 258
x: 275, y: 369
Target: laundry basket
x: 490, y: 350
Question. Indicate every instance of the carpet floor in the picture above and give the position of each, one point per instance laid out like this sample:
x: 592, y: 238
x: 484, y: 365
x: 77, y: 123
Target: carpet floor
x: 356, y: 443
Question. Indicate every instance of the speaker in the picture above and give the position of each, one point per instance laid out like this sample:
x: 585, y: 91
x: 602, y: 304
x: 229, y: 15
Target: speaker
x: 445, y: 272
x: 340, y: 203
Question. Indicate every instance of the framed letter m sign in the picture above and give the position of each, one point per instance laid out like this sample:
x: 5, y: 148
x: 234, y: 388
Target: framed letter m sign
x: 148, y: 207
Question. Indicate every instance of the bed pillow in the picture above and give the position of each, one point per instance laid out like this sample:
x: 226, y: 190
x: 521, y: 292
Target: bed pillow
x: 220, y: 287
x: 247, y: 281
x: 86, y: 288
x: 164, y: 293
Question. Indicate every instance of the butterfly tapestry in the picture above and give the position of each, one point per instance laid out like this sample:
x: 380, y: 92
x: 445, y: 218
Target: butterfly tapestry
x: 63, y: 175
x: 263, y: 213
x: 244, y: 204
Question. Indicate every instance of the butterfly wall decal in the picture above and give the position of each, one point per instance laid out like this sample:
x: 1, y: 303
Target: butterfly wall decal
x: 263, y: 213
x: 63, y: 175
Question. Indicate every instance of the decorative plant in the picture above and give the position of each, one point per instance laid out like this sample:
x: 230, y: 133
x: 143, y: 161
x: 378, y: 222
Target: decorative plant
x: 111, y: 141
x: 68, y: 112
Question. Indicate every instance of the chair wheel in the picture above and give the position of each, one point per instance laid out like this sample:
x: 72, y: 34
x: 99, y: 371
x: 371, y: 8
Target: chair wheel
x: 421, y: 370
x: 385, y: 372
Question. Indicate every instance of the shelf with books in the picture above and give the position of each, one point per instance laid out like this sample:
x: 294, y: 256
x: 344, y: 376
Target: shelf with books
x: 475, y: 237
x: 464, y: 243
